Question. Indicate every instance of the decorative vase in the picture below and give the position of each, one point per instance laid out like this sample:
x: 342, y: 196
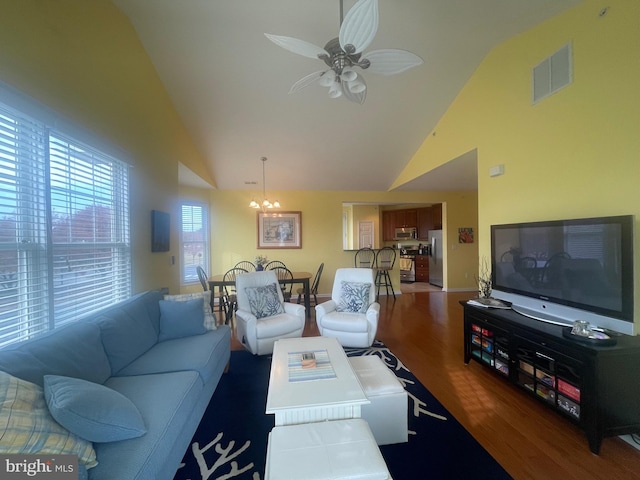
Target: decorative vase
x: 259, y: 267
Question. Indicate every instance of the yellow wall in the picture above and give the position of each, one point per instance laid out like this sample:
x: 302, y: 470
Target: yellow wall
x: 233, y: 227
x: 574, y: 154
x: 83, y: 59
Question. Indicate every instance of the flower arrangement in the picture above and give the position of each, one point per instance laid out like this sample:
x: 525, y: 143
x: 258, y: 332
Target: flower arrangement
x: 261, y: 260
x: 484, y: 279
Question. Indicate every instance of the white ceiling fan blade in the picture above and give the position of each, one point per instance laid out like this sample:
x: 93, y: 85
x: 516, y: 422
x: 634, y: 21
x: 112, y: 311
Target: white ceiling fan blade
x: 391, y: 61
x: 360, y: 25
x: 306, y: 81
x: 295, y: 45
x: 358, y: 97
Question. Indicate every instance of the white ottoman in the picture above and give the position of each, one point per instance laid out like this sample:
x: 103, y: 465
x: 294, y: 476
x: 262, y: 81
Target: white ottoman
x: 387, y: 414
x: 332, y: 450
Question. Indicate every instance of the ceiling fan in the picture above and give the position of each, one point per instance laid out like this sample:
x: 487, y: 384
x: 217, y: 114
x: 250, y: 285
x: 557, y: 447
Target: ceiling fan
x: 343, y: 53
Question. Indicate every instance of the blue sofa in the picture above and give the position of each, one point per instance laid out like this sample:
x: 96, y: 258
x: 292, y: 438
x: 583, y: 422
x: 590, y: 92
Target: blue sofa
x: 170, y: 382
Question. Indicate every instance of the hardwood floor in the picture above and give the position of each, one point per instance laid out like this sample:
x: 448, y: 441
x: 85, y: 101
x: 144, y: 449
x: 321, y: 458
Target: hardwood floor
x: 424, y: 330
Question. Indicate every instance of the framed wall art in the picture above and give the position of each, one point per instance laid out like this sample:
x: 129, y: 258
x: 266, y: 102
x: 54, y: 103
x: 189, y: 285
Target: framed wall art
x: 279, y: 230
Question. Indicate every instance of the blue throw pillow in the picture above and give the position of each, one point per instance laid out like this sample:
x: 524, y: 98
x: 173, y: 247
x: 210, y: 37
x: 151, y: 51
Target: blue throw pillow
x: 354, y: 297
x: 181, y: 319
x: 264, y: 301
x: 92, y: 411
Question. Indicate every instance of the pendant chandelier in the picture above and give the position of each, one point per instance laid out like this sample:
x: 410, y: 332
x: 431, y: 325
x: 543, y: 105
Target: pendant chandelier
x: 265, y: 204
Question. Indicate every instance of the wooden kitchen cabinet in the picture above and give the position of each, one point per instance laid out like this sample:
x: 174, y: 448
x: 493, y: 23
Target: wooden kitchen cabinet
x: 388, y: 225
x: 425, y: 222
x: 436, y: 212
x: 406, y: 218
x: 422, y: 268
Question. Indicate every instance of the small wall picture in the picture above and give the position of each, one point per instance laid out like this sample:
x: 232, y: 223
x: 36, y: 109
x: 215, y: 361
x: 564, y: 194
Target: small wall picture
x: 279, y: 230
x: 465, y: 235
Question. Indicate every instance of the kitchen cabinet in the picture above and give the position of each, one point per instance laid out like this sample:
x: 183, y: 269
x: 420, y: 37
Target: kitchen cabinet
x: 388, y: 225
x: 436, y: 212
x: 422, y: 268
x: 406, y: 218
x: 425, y: 222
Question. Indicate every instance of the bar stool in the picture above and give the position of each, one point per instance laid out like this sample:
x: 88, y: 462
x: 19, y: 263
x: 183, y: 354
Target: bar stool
x: 365, y: 258
x: 385, y: 260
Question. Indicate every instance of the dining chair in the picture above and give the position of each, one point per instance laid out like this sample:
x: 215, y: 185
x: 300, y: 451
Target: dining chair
x: 283, y: 273
x: 274, y: 264
x: 365, y: 258
x: 229, y: 297
x: 314, y: 286
x: 385, y: 260
x: 247, y: 265
x: 202, y: 275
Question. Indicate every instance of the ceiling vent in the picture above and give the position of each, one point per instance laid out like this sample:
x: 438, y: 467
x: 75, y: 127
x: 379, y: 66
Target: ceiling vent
x: 552, y: 74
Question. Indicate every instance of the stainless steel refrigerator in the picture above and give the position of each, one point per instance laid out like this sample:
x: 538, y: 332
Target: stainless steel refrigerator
x: 435, y: 257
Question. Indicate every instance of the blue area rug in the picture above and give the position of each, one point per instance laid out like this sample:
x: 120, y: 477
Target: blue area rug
x: 231, y: 441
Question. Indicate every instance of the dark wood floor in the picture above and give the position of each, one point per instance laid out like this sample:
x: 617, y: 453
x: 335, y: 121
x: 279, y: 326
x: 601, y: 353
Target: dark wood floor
x: 531, y: 442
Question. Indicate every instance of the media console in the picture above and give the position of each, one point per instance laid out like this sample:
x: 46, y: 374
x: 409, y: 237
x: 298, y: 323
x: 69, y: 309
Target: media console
x: 597, y: 388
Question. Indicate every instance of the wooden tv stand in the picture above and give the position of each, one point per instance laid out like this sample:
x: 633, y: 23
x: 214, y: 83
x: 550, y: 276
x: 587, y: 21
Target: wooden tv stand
x: 597, y: 388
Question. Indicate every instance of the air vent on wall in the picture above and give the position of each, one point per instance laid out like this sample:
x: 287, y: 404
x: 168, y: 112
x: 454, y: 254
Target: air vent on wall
x: 552, y: 74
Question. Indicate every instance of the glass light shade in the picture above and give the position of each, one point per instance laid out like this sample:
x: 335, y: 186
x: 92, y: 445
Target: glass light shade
x: 276, y: 204
x: 327, y: 79
x: 349, y: 75
x: 254, y: 204
x: 335, y: 90
x: 357, y: 87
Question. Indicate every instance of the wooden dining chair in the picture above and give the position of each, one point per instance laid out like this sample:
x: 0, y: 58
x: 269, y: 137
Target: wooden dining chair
x: 314, y: 286
x: 229, y: 299
x: 246, y: 265
x: 274, y: 264
x: 283, y: 273
x: 202, y: 275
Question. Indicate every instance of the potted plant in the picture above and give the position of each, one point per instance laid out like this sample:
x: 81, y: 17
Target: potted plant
x: 484, y: 280
x: 260, y: 261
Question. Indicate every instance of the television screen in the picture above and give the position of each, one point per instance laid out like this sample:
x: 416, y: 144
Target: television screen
x: 583, y: 264
x: 160, y: 231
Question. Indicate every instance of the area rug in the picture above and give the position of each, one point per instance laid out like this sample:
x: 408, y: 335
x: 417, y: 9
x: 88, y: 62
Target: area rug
x: 231, y: 441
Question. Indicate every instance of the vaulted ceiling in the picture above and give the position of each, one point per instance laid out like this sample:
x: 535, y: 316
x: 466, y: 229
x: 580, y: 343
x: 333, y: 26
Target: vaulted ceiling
x: 230, y: 86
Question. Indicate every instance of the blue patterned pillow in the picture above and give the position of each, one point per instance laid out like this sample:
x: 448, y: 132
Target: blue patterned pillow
x: 264, y: 301
x: 354, y: 297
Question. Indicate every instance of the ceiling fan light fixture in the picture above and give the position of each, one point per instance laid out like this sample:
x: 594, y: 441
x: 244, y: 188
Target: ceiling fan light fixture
x: 344, y: 52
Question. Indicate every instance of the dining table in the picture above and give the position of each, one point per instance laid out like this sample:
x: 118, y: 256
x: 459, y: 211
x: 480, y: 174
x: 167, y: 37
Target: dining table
x: 218, y: 282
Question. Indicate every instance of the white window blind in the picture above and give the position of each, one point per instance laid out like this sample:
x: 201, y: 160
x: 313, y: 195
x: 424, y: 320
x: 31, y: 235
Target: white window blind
x: 194, y: 241
x: 64, y: 228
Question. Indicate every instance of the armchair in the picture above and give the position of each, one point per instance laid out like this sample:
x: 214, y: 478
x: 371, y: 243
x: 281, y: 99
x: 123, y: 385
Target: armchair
x: 263, y: 316
x: 352, y: 313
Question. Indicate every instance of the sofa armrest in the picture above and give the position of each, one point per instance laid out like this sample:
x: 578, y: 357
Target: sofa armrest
x: 325, y: 307
x: 294, y: 309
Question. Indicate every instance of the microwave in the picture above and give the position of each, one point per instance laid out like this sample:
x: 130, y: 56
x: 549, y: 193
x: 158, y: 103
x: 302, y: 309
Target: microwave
x: 407, y: 233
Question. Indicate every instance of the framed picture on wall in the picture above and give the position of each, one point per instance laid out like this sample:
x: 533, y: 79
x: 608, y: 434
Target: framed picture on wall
x: 279, y: 230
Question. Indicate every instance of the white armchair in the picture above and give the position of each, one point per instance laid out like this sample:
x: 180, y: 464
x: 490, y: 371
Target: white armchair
x: 352, y: 313
x: 263, y: 316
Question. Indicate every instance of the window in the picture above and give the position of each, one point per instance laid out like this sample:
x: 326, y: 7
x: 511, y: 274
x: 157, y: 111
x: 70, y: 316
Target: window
x: 64, y: 228
x: 194, y: 240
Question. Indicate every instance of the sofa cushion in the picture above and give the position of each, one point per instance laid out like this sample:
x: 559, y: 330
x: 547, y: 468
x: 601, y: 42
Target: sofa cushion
x: 74, y: 350
x: 26, y: 426
x: 264, y: 301
x: 209, y: 317
x: 203, y: 353
x: 354, y: 297
x: 181, y: 319
x: 91, y: 411
x: 127, y: 332
x: 165, y: 401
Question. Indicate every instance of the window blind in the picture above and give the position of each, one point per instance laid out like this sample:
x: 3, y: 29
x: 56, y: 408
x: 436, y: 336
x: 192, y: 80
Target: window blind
x: 64, y: 228
x: 194, y: 241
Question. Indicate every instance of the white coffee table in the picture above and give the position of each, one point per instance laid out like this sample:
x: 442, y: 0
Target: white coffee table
x: 314, y: 400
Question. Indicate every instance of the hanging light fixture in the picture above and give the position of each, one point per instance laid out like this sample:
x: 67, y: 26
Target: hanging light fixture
x: 266, y: 204
x: 345, y: 52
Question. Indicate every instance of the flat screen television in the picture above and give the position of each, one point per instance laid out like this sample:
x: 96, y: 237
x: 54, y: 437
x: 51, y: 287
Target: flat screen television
x: 566, y: 270
x: 160, y: 231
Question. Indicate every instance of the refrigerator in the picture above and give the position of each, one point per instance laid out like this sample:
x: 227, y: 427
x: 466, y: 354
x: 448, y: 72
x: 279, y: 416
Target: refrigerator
x: 435, y: 257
